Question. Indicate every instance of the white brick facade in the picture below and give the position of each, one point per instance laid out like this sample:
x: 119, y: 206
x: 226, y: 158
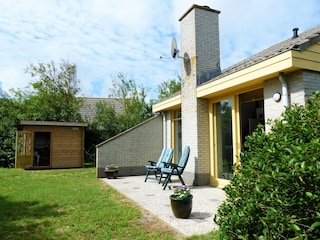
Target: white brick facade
x: 200, y: 42
x: 301, y: 85
x: 132, y: 149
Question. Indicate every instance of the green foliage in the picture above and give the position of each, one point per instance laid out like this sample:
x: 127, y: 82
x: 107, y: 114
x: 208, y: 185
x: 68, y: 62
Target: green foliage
x: 106, y: 120
x: 8, y: 123
x: 108, y: 123
x: 276, y: 191
x: 103, y: 126
x: 135, y: 108
x: 167, y: 88
x: 181, y: 192
x: 52, y: 96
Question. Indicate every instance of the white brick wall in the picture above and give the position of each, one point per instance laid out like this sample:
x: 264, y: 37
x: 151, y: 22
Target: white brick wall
x: 200, y: 41
x: 301, y: 85
x: 132, y: 149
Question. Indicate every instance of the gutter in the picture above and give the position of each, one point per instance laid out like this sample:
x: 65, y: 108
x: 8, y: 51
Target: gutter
x: 284, y: 86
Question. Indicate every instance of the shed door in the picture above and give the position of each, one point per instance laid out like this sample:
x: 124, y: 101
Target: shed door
x: 24, y: 149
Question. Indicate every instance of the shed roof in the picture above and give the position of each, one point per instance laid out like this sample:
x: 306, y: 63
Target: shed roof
x: 51, y: 123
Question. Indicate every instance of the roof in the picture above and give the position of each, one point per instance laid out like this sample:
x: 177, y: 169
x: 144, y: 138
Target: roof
x: 88, y: 110
x: 51, y: 123
x: 300, y: 43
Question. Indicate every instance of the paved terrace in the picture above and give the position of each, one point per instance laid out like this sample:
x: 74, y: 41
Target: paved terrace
x: 150, y: 196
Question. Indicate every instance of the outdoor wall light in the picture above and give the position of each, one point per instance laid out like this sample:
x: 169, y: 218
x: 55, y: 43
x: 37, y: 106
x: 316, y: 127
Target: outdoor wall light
x: 276, y: 97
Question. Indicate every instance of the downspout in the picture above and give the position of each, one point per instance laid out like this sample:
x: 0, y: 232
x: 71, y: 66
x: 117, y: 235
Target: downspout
x: 164, y: 129
x: 284, y: 86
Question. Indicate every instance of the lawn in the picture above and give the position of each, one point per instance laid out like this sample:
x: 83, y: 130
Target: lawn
x: 71, y: 204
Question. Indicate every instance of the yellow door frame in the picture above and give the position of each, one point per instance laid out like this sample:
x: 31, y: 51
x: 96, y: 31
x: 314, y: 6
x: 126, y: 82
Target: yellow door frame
x: 214, y: 179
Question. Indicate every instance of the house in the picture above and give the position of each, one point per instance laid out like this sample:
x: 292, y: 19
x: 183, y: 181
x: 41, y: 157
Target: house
x: 43, y: 144
x: 217, y: 109
x: 88, y: 109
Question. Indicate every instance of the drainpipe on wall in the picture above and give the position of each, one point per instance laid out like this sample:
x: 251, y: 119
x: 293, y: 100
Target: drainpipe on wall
x: 284, y: 86
x: 164, y: 129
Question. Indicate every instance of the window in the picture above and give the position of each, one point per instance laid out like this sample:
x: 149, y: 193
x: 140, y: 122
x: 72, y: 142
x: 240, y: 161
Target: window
x: 224, y: 138
x: 177, y: 134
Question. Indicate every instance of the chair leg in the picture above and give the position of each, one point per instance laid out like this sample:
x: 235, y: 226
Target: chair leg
x: 160, y: 178
x: 181, y: 179
x: 147, y: 174
x: 165, y: 183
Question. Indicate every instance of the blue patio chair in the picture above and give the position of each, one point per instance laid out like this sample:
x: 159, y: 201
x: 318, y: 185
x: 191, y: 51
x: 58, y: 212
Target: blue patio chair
x: 155, y: 167
x: 175, y: 169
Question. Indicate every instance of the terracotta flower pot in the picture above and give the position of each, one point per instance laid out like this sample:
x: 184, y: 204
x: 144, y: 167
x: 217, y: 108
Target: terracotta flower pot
x: 181, y: 208
x: 111, y: 174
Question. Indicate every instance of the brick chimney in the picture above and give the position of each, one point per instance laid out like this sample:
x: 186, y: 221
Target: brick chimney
x: 200, y: 43
x: 200, y: 63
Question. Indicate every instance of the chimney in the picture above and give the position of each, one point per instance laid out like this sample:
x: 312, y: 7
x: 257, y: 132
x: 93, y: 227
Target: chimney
x: 295, y: 33
x: 200, y: 44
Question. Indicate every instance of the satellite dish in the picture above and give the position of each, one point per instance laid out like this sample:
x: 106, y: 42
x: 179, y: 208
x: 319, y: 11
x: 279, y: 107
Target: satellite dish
x: 174, y: 49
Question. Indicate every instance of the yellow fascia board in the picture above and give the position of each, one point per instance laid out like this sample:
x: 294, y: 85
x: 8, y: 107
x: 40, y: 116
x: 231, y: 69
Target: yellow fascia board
x: 248, y: 76
x: 308, y: 59
x: 171, y: 103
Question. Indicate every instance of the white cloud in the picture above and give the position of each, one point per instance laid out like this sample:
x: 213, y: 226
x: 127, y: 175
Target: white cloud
x: 105, y: 37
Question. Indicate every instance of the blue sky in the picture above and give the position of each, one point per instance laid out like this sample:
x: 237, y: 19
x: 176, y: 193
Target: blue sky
x: 106, y: 37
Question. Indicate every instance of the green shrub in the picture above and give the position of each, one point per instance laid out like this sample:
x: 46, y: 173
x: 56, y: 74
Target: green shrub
x: 276, y: 191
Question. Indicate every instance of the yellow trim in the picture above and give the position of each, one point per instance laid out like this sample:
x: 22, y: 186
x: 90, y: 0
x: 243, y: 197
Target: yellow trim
x: 308, y: 59
x: 173, y: 135
x: 253, y: 75
x: 236, y: 136
x: 214, y: 163
x: 211, y: 142
x: 171, y: 103
x: 236, y: 128
x: 256, y: 74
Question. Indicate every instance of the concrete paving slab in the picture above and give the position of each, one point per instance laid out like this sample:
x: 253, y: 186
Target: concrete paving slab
x: 150, y: 196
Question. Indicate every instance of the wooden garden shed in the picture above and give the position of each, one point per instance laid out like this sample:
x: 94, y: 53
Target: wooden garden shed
x: 44, y: 144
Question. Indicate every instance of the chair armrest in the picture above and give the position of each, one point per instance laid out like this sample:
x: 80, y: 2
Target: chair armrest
x: 152, y: 163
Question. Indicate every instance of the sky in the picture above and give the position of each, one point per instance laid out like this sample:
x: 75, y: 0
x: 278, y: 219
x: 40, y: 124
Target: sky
x: 106, y: 37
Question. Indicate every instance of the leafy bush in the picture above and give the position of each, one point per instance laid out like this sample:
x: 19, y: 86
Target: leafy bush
x: 8, y: 124
x: 276, y: 191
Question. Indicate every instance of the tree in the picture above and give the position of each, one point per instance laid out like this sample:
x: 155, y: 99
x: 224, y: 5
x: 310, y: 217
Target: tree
x: 275, y: 193
x: 9, y: 115
x: 167, y: 88
x: 104, y: 126
x: 135, y: 108
x: 108, y: 123
x: 52, y: 96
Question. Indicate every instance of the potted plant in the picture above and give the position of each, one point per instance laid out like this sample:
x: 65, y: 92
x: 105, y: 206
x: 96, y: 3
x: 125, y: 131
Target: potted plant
x: 111, y: 171
x: 181, y: 201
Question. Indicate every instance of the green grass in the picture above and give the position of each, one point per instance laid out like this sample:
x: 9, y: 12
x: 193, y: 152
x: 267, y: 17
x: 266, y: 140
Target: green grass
x: 69, y: 204
x: 66, y: 204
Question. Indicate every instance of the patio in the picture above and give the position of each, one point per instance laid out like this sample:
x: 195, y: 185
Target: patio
x: 150, y: 196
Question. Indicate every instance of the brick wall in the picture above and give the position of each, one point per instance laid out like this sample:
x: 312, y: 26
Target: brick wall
x: 132, y: 149
x: 301, y: 85
x: 199, y: 41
